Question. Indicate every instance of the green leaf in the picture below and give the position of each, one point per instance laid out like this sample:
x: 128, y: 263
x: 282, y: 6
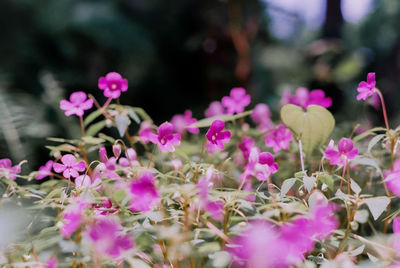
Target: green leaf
x: 286, y: 185
x: 312, y: 126
x: 92, y: 140
x: 368, y: 133
x: 91, y: 117
x: 327, y: 179
x: 95, y: 128
x: 142, y: 113
x: 119, y: 195
x: 122, y: 121
x: 308, y: 183
x: 206, y: 122
x: 134, y: 116
x: 377, y: 205
x: 374, y: 141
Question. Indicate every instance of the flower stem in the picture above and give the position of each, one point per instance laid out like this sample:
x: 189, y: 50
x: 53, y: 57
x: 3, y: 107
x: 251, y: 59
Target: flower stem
x: 383, y: 108
x: 107, y: 103
x: 82, y: 126
x: 301, y: 156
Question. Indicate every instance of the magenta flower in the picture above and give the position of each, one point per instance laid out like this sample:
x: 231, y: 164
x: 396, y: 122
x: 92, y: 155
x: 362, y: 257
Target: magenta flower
x: 340, y: 156
x: 262, y: 116
x: 107, y: 238
x: 77, y: 104
x: 260, y: 165
x: 279, y: 138
x: 9, y: 171
x: 144, y: 193
x: 69, y: 166
x: 304, y: 98
x: 45, y: 170
x: 109, y: 165
x: 216, y: 137
x: 113, y: 84
x: 366, y: 89
x: 237, y: 100
x: 84, y: 181
x: 166, y: 139
x: 214, y: 109
x: 182, y: 123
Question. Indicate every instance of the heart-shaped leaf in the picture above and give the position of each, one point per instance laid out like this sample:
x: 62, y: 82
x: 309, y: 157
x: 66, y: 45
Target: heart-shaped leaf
x: 312, y: 126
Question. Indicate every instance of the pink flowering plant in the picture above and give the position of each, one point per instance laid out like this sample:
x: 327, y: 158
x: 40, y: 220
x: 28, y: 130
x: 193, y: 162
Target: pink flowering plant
x: 243, y: 187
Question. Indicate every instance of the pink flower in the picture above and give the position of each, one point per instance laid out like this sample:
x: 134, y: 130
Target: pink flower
x: 345, y: 152
x: 216, y: 137
x: 144, y: 193
x: 77, y: 105
x: 72, y: 216
x: 304, y: 98
x: 84, y: 181
x: 279, y: 138
x: 107, y: 238
x: 237, y: 100
x: 396, y: 225
x: 392, y: 178
x: 52, y: 263
x: 245, y: 146
x: 214, y: 208
x: 113, y: 84
x: 366, y: 89
x: 69, y: 166
x: 130, y: 159
x: 262, y: 116
x: 166, y: 139
x: 109, y: 164
x: 105, y: 208
x: 9, y: 171
x: 214, y: 109
x: 182, y: 123
x: 146, y: 132
x: 45, y: 170
x: 258, y: 246
x: 260, y: 165
x: 264, y: 245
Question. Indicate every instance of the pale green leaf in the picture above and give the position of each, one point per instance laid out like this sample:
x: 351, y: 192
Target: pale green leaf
x: 377, y: 205
x: 206, y: 122
x: 312, y: 126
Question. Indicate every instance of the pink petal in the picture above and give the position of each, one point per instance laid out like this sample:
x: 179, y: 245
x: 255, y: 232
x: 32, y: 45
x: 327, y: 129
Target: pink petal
x: 80, y: 166
x: 58, y: 167
x: 68, y: 160
x: 78, y: 97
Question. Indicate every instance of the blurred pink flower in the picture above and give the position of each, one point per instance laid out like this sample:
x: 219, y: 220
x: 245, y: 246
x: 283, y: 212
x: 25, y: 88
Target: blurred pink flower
x: 69, y: 166
x: 278, y: 138
x: 366, y: 89
x: 52, y: 263
x: 77, y: 104
x: 84, y: 181
x: 304, y: 98
x: 45, y: 170
x: 72, y: 216
x: 214, y: 109
x: 236, y: 101
x: 245, y: 147
x: 181, y: 123
x: 260, y: 165
x: 216, y: 137
x: 130, y: 159
x: 262, y: 116
x: 392, y: 178
x: 167, y: 139
x: 345, y: 152
x: 146, y: 132
x: 144, y: 193
x: 107, y: 238
x: 105, y: 208
x: 264, y: 245
x: 7, y: 170
x: 214, y: 208
x: 113, y: 84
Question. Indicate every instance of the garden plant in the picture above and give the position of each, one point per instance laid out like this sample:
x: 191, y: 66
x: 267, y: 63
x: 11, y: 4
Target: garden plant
x: 260, y: 187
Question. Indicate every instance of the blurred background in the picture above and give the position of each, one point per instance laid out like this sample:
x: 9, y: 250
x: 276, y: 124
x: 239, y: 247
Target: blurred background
x: 184, y: 54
